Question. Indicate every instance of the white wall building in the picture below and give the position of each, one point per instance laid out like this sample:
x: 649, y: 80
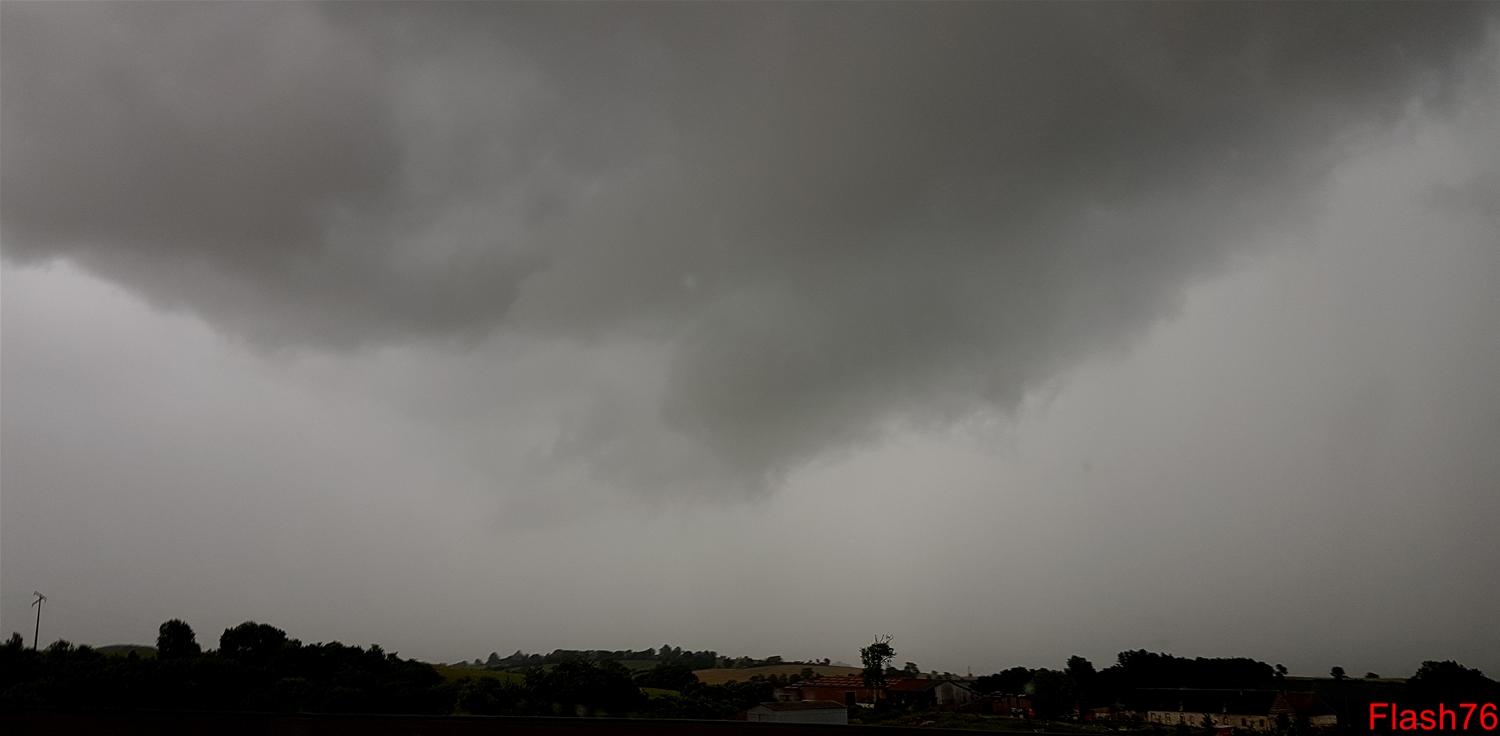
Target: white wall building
x: 805, y: 711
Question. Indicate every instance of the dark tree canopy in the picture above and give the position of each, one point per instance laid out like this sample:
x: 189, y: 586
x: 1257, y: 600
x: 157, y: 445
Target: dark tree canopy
x: 175, y: 640
x: 1052, y: 693
x: 1011, y: 682
x: 1434, y: 681
x: 252, y: 642
x: 668, y: 676
x: 593, y: 686
x: 875, y: 659
x: 1080, y: 669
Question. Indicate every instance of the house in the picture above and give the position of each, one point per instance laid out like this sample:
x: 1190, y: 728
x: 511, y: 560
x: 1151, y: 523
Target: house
x: 1250, y: 710
x: 807, y: 711
x: 1243, y: 709
x: 928, y: 693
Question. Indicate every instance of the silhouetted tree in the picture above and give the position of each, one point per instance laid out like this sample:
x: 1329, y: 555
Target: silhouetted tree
x: 1011, y: 681
x: 176, y: 640
x: 487, y: 696
x: 874, y: 658
x: 1082, y: 672
x: 577, y: 683
x: 1449, y: 680
x: 1051, y: 692
x: 1337, y: 673
x: 251, y: 642
x: 667, y: 675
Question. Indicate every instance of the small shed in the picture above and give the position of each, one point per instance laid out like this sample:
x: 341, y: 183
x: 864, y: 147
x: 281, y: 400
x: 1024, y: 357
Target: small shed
x: 802, y: 711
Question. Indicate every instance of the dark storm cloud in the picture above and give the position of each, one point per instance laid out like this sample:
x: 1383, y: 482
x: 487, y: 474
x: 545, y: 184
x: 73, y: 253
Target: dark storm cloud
x: 827, y: 218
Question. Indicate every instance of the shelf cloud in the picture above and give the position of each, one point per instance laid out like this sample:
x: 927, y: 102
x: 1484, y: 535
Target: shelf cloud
x: 808, y: 223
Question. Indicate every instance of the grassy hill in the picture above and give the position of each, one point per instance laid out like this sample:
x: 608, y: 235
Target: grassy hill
x: 122, y: 650
x: 721, y: 675
x: 452, y: 672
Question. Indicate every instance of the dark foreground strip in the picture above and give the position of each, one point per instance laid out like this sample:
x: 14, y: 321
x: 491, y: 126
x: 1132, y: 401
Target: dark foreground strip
x: 261, y: 724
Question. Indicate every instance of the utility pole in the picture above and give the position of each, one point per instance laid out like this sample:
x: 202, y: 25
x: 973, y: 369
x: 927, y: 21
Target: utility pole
x: 38, y: 631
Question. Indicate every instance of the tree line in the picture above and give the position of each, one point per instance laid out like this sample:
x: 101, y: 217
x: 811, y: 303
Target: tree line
x: 257, y: 667
x: 667, y: 654
x: 1079, y: 686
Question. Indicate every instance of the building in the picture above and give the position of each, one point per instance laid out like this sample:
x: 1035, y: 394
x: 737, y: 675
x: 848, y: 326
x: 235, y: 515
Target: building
x: 928, y: 693
x: 1249, y: 710
x: 847, y: 689
x: 1243, y: 709
x: 851, y: 690
x: 807, y: 711
x: 1304, y: 710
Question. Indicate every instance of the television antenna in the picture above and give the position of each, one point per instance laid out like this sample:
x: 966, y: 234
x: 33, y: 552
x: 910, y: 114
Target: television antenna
x: 38, y: 603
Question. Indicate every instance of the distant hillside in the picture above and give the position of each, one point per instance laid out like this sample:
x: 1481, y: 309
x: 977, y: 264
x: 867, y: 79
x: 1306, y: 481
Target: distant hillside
x: 721, y: 675
x: 1313, y: 681
x: 643, y: 659
x: 456, y: 672
x: 122, y: 650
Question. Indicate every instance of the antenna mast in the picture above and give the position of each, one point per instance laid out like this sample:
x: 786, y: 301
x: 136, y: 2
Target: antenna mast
x: 38, y: 631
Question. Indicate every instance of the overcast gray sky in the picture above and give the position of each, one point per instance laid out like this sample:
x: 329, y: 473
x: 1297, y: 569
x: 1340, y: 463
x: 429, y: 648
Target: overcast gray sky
x: 1015, y: 331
